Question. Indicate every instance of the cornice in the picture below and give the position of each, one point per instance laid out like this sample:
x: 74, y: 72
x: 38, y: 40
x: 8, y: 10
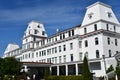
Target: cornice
x: 101, y: 20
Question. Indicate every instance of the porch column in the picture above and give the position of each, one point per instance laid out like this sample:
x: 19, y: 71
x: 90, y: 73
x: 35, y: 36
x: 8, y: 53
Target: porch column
x: 50, y: 70
x: 25, y: 68
x: 66, y: 68
x: 76, y: 68
x: 58, y: 70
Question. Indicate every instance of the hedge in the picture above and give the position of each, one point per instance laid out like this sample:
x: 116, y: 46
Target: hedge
x: 65, y: 78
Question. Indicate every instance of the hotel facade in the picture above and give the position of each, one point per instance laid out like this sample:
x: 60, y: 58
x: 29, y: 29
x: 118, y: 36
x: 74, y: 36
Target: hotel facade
x: 97, y: 38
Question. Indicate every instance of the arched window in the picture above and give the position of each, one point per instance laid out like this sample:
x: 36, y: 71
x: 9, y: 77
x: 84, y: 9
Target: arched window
x: 95, y: 27
x: 97, y: 54
x: 108, y: 41
x: 110, y: 54
x: 96, y: 41
x: 86, y: 43
x: 107, y: 26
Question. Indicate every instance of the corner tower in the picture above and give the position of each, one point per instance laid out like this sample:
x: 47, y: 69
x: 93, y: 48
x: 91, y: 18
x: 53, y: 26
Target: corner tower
x: 99, y: 11
x: 34, y: 32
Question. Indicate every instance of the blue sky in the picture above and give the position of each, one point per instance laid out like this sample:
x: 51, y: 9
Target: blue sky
x: 63, y: 14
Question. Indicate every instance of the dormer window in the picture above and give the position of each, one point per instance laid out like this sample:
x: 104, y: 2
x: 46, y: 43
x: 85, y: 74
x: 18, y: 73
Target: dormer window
x: 90, y: 15
x: 109, y: 14
x: 43, y: 32
x: 35, y: 31
x: 38, y: 26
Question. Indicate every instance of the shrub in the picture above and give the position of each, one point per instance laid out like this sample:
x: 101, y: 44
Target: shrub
x: 65, y: 78
x: 47, y: 73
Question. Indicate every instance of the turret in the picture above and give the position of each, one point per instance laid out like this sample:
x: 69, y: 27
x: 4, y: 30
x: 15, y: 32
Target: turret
x: 99, y: 11
x: 34, y: 32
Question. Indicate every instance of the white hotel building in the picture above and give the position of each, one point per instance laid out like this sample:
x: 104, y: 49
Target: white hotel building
x: 98, y: 35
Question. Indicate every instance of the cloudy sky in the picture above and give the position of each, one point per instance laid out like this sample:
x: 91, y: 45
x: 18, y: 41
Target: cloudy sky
x: 63, y: 14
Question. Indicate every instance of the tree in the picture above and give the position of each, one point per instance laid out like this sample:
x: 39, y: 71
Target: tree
x: 10, y: 66
x: 1, y: 73
x: 118, y: 71
x: 86, y: 72
x: 47, y: 73
x: 110, y: 69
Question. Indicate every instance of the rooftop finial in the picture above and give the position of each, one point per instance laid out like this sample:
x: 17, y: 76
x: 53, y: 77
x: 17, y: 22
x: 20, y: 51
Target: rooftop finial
x: 57, y: 30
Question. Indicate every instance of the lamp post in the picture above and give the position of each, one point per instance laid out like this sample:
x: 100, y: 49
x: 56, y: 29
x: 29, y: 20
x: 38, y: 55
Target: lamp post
x: 117, y: 57
x: 105, y: 78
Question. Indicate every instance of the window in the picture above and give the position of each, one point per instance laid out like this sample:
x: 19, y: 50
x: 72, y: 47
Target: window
x: 60, y: 36
x: 55, y: 38
x: 64, y: 47
x: 29, y: 55
x: 29, y: 32
x: 64, y: 58
x: 116, y: 42
x: 55, y: 59
x: 95, y: 27
x: 80, y: 56
x: 43, y: 32
x: 39, y: 53
x: 117, y: 52
x: 114, y: 28
x: 96, y: 41
x: 32, y: 55
x: 63, y: 36
x: 107, y: 26
x: 55, y: 49
x: 59, y: 59
x: 44, y: 52
x: 52, y: 39
x: 97, y: 54
x: 72, y: 32
x: 85, y: 30
x: 110, y: 54
x: 52, y: 50
x: 86, y: 43
x: 49, y: 60
x: 71, y: 46
x: 108, y: 40
x: 35, y: 31
x: 71, y: 57
x: 109, y: 14
x: 52, y: 59
x: 90, y: 15
x: 36, y: 54
x: 38, y: 26
x: 59, y: 48
x: 69, y: 33
x: 80, y: 44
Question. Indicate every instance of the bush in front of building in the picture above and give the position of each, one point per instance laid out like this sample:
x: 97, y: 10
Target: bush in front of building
x: 118, y: 70
x: 47, y: 73
x: 65, y: 78
x: 86, y: 72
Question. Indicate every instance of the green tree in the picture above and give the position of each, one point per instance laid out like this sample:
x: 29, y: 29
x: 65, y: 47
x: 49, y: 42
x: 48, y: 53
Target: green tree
x: 1, y: 73
x: 47, y: 73
x: 10, y: 66
x: 110, y: 69
x: 86, y: 72
x: 118, y: 71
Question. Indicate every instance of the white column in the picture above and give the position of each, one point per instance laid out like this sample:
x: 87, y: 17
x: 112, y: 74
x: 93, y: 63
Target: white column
x: 50, y: 70
x: 57, y: 70
x: 25, y: 68
x: 66, y: 67
x: 76, y: 68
